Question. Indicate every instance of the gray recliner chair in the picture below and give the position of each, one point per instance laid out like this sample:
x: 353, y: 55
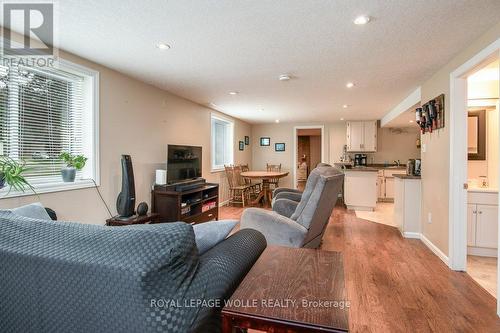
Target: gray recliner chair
x: 299, y: 224
x: 292, y: 193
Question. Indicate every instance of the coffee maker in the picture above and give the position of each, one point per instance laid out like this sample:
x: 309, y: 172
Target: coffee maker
x: 413, y: 167
x: 360, y: 160
x: 418, y: 166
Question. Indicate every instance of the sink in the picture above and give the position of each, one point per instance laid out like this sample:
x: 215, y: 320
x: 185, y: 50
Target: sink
x: 395, y: 167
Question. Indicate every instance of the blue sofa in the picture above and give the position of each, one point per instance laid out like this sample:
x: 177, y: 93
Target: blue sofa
x: 71, y: 277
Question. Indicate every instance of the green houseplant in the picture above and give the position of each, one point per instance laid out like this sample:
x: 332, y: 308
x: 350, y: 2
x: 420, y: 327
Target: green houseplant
x: 73, y: 163
x: 11, y: 173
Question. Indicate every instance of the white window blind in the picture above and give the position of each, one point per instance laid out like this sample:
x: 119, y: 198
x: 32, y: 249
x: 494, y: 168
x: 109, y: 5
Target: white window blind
x: 222, y: 142
x: 44, y: 112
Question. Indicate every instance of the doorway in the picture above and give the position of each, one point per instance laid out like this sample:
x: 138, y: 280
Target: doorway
x: 482, y: 176
x: 308, y: 152
x: 459, y: 210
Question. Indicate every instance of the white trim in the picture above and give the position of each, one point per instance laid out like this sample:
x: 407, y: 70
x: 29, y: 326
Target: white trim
x: 435, y: 249
x: 224, y: 203
x: 294, y: 163
x: 47, y: 188
x: 405, y: 104
x: 408, y: 234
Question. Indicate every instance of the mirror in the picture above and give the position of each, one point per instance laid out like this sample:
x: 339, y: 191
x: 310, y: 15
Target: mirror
x: 476, y: 135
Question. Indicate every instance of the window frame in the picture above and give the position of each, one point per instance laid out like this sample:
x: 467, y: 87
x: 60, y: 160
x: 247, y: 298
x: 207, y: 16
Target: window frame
x: 216, y: 167
x: 91, y: 124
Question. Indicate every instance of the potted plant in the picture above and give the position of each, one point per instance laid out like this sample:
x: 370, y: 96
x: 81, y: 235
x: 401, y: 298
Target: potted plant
x: 73, y: 163
x: 11, y: 173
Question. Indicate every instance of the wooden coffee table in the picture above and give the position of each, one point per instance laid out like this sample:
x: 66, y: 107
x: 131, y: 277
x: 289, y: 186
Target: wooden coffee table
x: 290, y: 290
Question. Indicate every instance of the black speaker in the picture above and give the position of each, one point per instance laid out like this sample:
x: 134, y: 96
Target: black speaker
x: 125, y: 204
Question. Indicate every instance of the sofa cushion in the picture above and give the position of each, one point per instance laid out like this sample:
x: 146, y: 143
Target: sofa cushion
x: 34, y: 211
x: 209, y: 234
x: 63, y: 276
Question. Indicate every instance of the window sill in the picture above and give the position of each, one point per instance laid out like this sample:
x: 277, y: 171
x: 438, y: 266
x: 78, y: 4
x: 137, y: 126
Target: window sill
x: 47, y: 188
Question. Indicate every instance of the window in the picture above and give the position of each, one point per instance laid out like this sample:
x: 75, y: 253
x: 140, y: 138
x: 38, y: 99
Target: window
x: 46, y: 111
x: 222, y: 142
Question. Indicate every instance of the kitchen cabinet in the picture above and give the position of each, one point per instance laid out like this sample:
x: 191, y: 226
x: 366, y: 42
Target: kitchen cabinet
x: 362, y: 136
x: 407, y: 200
x: 386, y: 183
x: 482, y: 224
x: 360, y: 189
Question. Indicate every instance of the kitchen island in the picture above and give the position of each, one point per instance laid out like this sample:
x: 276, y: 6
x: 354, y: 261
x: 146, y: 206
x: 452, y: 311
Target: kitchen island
x: 360, y: 188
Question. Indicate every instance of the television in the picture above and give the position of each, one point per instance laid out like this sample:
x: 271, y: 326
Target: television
x: 183, y: 163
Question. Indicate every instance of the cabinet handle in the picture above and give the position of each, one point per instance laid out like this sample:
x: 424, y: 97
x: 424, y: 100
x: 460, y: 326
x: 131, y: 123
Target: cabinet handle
x: 480, y: 212
x: 474, y: 212
x: 210, y: 215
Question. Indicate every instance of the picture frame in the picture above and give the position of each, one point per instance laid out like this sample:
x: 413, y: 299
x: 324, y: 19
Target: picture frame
x: 279, y: 146
x: 265, y: 141
x: 241, y: 145
x: 247, y: 140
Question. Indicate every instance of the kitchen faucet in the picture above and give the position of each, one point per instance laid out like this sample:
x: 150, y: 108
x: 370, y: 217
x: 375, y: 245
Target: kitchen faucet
x: 398, y: 163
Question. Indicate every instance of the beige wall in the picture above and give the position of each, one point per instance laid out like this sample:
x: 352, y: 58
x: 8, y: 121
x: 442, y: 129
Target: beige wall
x: 435, y: 161
x: 140, y: 120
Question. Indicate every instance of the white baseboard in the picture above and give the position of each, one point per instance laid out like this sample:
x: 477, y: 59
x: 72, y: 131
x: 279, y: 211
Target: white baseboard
x: 435, y: 249
x: 482, y: 251
x: 224, y: 203
x: 415, y: 235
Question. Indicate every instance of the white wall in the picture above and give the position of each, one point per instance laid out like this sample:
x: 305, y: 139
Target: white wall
x: 140, y: 120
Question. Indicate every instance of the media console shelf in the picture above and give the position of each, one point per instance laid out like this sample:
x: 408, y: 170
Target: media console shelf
x: 193, y: 206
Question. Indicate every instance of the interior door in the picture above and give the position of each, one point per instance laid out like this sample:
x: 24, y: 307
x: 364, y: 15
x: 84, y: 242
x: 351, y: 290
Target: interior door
x: 370, y: 136
x: 487, y: 226
x: 355, y: 136
x: 471, y: 225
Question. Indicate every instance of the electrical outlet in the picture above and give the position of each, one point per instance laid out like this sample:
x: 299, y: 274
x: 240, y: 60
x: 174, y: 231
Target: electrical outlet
x: 424, y: 148
x: 429, y: 217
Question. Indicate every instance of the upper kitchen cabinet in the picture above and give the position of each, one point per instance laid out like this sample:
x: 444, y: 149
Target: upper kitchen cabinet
x: 362, y: 136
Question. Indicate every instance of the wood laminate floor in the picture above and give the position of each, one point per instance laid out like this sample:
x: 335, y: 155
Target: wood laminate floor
x: 399, y: 285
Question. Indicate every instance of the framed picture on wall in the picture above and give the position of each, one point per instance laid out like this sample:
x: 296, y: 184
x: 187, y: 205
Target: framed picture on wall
x: 265, y: 141
x: 247, y: 140
x: 242, y: 145
x: 279, y: 146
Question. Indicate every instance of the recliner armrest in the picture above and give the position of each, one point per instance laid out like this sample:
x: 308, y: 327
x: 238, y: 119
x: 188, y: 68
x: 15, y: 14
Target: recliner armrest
x: 278, y: 229
x: 285, y: 207
x: 294, y: 196
x: 285, y: 189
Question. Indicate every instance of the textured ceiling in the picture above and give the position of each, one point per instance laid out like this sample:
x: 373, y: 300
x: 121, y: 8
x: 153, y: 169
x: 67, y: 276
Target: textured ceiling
x: 240, y: 45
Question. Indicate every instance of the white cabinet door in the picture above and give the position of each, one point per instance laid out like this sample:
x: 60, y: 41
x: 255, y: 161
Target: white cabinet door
x: 389, y: 188
x: 355, y: 139
x: 380, y: 187
x: 487, y: 226
x: 471, y: 225
x: 399, y: 204
x: 370, y: 136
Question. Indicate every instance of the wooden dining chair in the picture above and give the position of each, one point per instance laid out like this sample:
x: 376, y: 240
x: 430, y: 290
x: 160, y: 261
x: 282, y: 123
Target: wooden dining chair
x: 255, y: 188
x: 238, y: 191
x: 273, y: 182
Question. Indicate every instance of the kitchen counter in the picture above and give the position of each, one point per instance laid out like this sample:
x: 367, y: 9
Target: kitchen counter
x: 483, y: 189
x: 362, y: 169
x: 406, y: 176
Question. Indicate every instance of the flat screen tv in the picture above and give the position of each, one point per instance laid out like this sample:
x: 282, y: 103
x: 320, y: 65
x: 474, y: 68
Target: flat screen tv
x: 183, y: 163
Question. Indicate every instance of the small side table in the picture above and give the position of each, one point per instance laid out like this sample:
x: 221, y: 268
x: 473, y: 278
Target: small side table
x: 146, y: 219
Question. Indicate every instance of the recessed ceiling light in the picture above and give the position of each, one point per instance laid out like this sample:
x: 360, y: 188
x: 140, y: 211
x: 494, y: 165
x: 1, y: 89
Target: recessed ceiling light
x: 162, y: 46
x: 342, y: 119
x: 277, y: 121
x: 349, y: 85
x: 233, y: 93
x: 345, y: 106
x: 411, y: 121
x: 284, y: 77
x: 360, y: 20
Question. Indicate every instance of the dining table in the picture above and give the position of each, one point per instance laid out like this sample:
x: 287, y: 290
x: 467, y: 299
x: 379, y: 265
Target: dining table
x: 265, y: 193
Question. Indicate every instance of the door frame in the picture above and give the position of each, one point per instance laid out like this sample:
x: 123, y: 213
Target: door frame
x: 457, y: 208
x: 294, y: 165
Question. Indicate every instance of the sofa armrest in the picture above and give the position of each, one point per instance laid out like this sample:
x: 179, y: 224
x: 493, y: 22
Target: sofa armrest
x: 284, y: 189
x: 221, y: 270
x: 285, y: 207
x: 278, y: 229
